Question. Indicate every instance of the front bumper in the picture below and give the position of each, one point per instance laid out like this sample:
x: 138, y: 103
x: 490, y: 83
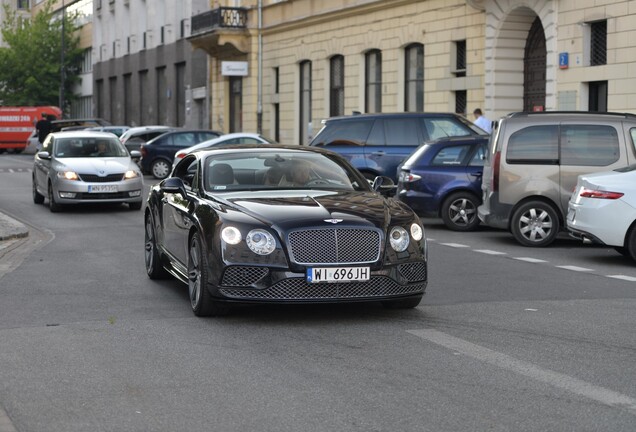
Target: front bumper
x: 75, y: 192
x: 262, y: 284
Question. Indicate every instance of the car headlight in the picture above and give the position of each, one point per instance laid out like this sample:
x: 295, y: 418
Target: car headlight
x: 417, y: 232
x: 399, y: 239
x: 131, y: 174
x: 231, y: 235
x: 261, y: 242
x: 67, y: 175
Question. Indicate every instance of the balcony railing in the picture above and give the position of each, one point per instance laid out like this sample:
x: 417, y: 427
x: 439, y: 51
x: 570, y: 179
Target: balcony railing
x: 223, y: 17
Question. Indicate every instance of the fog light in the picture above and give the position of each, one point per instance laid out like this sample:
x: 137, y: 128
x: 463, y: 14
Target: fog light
x: 135, y: 193
x: 67, y: 194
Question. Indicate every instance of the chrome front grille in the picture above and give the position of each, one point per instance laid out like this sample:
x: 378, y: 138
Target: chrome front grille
x: 334, y: 246
x: 300, y: 290
x: 92, y: 178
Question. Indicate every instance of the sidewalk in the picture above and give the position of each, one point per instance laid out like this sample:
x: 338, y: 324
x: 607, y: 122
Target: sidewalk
x: 11, y: 228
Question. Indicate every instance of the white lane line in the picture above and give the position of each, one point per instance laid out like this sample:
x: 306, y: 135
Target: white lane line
x: 575, y: 268
x: 489, y: 252
x: 530, y: 260
x: 455, y: 245
x: 503, y: 361
x: 623, y: 277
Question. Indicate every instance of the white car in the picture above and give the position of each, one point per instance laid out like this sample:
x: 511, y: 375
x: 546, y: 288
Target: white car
x: 224, y: 140
x: 86, y: 167
x: 602, y: 209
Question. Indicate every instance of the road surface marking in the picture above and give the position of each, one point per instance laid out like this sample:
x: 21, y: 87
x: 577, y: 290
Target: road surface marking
x: 489, y: 252
x: 503, y: 361
x: 530, y: 260
x: 575, y: 268
x: 455, y: 245
x: 623, y: 277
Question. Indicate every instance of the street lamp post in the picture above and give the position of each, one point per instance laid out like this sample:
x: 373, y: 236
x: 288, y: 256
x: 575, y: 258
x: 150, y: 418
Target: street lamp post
x: 62, y: 63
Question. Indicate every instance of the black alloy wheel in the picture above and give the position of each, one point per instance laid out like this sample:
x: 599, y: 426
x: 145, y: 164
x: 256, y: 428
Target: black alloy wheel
x: 38, y: 198
x: 154, y: 269
x: 200, y: 298
x: 459, y: 211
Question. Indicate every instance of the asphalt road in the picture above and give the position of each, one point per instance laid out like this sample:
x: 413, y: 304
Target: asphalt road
x: 506, y: 339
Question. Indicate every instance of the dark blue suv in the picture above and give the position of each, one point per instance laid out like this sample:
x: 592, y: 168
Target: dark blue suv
x: 442, y: 178
x: 157, y: 154
x: 377, y: 143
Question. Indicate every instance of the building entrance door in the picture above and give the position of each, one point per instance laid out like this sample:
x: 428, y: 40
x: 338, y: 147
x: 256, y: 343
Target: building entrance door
x: 534, y: 66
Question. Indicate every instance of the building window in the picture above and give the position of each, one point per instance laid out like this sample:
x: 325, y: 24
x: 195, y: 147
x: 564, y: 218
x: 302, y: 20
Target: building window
x: 128, y: 45
x: 87, y: 61
x: 460, y: 102
x: 161, y: 90
x: 598, y: 43
x: 414, y: 80
x: 162, y: 35
x: 114, y: 49
x: 143, y: 99
x: 336, y: 86
x: 305, y: 102
x: 182, y: 30
x: 23, y: 4
x: 236, y: 104
x: 373, y: 81
x: 460, y: 58
x: 597, y: 96
x: 127, y: 98
x: 112, y: 100
x: 276, y: 105
x: 143, y: 42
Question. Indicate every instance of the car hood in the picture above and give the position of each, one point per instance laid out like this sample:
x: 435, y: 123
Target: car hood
x: 295, y: 209
x: 93, y: 165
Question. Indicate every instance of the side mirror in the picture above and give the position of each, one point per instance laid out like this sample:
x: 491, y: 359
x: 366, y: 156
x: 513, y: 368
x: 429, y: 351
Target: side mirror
x: 135, y: 154
x: 174, y: 185
x: 44, y: 155
x: 383, y: 184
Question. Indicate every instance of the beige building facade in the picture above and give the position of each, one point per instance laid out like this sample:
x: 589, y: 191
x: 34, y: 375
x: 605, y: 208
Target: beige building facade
x: 311, y: 59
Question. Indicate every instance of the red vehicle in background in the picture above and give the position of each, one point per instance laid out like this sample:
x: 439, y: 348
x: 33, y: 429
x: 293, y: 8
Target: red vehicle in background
x: 17, y: 124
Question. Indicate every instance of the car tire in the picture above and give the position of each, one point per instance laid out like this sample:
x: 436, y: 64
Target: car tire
x: 535, y: 224
x: 54, y: 207
x: 38, y: 198
x: 160, y: 169
x: 407, y: 303
x: 135, y: 205
x: 154, y: 269
x: 200, y: 298
x: 459, y: 211
x: 630, y: 245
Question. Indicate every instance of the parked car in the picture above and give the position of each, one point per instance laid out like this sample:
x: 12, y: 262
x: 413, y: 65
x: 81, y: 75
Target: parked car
x: 377, y: 143
x: 224, y: 140
x: 77, y: 124
x: 533, y: 162
x: 442, y: 178
x: 117, y: 130
x: 134, y: 137
x: 158, y: 153
x: 602, y: 209
x: 328, y: 237
x: 85, y: 167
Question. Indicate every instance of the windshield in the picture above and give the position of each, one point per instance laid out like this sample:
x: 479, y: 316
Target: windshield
x: 282, y: 170
x: 82, y: 147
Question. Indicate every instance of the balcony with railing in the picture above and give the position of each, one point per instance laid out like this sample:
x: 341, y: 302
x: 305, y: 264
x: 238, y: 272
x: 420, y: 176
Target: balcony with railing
x: 221, y: 31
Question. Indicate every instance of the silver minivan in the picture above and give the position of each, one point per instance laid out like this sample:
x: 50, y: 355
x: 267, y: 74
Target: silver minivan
x: 534, y: 160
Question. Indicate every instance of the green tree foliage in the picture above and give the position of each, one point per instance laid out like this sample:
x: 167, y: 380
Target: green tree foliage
x: 30, y: 67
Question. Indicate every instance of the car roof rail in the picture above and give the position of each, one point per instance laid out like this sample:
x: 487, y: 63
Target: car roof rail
x: 539, y: 113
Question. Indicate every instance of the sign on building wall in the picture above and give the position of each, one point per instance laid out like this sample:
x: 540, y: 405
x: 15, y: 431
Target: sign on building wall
x: 233, y: 68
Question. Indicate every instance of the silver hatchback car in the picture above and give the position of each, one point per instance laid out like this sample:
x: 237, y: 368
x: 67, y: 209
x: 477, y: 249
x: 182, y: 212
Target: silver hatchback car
x: 86, y: 167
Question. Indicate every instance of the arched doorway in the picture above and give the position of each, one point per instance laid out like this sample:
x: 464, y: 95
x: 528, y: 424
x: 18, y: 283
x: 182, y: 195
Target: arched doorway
x: 534, y: 67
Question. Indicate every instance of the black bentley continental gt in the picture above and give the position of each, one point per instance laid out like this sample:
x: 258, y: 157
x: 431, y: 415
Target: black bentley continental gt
x: 283, y: 224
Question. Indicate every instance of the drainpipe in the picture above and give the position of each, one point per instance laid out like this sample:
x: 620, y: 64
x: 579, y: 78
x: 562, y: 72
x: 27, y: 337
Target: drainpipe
x: 259, y: 108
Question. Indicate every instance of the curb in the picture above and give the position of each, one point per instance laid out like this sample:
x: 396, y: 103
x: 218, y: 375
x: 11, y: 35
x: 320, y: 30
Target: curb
x: 11, y: 228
